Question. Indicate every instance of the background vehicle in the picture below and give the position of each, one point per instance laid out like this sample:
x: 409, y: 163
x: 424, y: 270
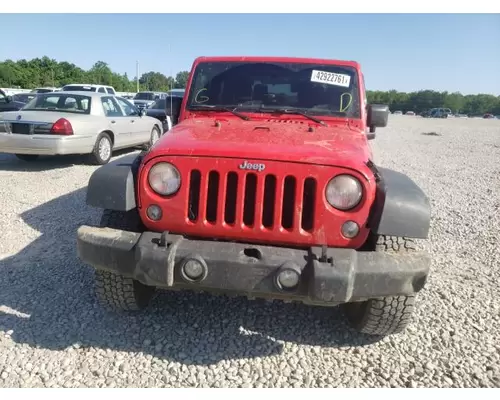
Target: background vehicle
x: 89, y: 88
x: 164, y: 111
x: 410, y: 113
x: 23, y: 97
x: 8, y: 103
x: 145, y: 99
x: 440, y: 113
x: 266, y: 187
x: 76, y: 123
x: 45, y: 90
x: 398, y: 112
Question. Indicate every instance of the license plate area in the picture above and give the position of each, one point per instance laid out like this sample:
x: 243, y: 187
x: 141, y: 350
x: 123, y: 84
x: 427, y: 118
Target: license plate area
x: 21, y: 128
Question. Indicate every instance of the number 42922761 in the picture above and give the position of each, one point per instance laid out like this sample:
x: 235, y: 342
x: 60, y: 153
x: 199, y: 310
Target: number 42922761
x: 330, y: 78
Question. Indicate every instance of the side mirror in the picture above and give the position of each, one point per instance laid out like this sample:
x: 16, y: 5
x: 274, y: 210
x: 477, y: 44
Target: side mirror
x: 8, y: 99
x: 142, y: 112
x: 377, y: 117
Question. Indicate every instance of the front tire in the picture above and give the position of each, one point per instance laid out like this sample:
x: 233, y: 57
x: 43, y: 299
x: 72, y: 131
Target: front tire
x: 114, y: 291
x: 103, y: 150
x: 387, y: 315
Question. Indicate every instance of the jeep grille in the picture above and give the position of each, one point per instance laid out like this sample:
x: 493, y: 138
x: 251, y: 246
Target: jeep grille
x: 252, y: 199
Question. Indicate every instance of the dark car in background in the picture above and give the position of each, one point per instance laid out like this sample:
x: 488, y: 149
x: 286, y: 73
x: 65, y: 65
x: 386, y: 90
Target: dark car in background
x: 24, y: 97
x: 8, y: 103
x: 163, y: 107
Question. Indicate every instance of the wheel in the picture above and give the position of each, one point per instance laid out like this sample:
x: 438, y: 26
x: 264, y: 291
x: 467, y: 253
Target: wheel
x: 155, y: 136
x: 387, y: 315
x: 27, y: 157
x: 114, y: 291
x: 103, y: 150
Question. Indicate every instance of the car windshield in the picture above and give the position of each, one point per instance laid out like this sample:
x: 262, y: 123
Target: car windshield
x: 144, y: 96
x: 315, y: 89
x: 79, y: 88
x: 59, y: 102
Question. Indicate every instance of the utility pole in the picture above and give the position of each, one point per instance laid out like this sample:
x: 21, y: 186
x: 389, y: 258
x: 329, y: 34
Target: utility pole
x: 137, y: 75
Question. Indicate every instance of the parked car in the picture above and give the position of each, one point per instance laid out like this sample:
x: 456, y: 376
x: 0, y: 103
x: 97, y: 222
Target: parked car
x: 271, y: 199
x: 76, y: 123
x: 8, y: 103
x: 145, y: 99
x: 23, y: 97
x: 440, y: 113
x: 409, y: 113
x: 45, y: 90
x: 89, y: 88
x: 176, y: 92
x: 488, y: 116
x: 163, y: 110
x: 398, y: 112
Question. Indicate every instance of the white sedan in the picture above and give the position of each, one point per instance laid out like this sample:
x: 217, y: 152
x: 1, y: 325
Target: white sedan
x: 76, y: 123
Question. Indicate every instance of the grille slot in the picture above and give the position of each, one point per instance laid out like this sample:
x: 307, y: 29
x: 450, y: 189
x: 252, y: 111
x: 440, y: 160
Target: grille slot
x: 231, y: 193
x: 250, y: 199
x: 247, y: 199
x: 288, y: 205
x: 212, y: 196
x: 194, y: 195
x: 308, y: 201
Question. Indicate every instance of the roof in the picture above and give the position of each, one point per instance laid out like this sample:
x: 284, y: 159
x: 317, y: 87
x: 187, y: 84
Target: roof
x: 78, y: 92
x: 353, y: 64
x: 86, y: 84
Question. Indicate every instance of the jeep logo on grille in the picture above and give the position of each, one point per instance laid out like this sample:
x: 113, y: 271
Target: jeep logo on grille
x: 254, y: 167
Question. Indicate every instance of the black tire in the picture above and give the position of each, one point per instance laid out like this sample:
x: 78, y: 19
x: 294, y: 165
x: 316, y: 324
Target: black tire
x: 387, y: 315
x: 100, y: 158
x: 117, y: 292
x: 27, y: 157
x: 155, y: 135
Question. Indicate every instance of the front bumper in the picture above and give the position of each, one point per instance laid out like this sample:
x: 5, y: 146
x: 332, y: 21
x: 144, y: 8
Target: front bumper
x: 345, y: 275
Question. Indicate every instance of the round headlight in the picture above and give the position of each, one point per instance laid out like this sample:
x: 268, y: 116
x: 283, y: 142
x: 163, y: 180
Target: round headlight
x: 344, y: 192
x: 164, y: 179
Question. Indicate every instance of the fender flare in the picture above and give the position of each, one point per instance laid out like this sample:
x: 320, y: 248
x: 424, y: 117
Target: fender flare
x: 112, y: 186
x: 401, y: 208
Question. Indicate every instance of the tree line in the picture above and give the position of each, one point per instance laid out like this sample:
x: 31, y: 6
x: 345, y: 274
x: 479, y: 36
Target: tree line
x: 39, y: 72
x: 28, y: 74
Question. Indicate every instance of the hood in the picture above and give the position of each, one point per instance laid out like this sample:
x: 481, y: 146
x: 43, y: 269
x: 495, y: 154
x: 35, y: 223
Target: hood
x: 277, y: 139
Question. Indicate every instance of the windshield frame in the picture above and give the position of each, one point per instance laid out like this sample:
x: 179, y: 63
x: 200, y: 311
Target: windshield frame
x: 302, y: 68
x: 39, y: 97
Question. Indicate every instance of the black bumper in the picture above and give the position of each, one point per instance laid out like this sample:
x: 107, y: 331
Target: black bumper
x: 345, y: 275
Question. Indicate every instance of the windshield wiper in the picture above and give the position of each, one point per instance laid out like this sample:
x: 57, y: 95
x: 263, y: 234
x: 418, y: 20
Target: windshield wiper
x: 218, y: 108
x: 293, y: 111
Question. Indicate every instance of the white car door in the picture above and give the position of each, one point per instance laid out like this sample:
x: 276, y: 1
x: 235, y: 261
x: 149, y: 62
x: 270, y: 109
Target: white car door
x: 118, y: 123
x: 140, y: 130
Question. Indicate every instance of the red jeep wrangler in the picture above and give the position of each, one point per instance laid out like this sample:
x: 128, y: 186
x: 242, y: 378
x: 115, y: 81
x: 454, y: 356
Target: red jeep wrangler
x: 264, y: 187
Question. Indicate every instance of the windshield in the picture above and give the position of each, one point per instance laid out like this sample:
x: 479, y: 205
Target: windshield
x: 144, y: 96
x: 77, y: 88
x: 59, y: 102
x: 318, y: 89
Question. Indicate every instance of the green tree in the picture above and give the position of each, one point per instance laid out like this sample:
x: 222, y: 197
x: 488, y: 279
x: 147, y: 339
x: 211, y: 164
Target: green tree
x: 44, y: 71
x: 181, y: 79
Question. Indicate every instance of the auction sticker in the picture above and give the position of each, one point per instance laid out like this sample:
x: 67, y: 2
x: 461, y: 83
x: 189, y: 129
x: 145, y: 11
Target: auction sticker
x: 330, y: 78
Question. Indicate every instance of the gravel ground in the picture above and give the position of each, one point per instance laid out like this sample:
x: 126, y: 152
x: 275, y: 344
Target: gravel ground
x: 53, y: 333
